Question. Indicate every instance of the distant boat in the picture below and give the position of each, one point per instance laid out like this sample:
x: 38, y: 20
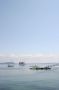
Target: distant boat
x: 10, y: 65
x: 40, y: 68
x: 21, y: 63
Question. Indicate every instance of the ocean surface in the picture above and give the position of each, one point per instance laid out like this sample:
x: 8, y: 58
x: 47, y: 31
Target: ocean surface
x: 22, y: 78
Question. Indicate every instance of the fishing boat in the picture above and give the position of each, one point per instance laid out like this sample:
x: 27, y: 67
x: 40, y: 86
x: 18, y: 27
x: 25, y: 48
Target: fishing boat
x: 40, y: 68
x: 21, y: 63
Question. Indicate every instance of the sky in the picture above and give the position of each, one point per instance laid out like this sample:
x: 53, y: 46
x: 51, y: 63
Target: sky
x: 29, y: 27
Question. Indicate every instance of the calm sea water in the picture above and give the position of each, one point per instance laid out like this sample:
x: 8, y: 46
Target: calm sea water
x: 22, y: 78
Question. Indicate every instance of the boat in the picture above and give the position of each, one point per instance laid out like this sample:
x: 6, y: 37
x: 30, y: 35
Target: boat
x: 10, y: 65
x: 21, y: 63
x: 40, y: 68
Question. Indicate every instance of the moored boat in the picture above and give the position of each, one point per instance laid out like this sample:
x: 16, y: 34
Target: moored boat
x: 21, y: 63
x: 40, y: 68
x: 10, y: 65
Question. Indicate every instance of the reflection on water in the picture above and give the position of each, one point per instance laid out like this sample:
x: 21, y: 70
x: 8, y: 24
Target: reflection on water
x: 22, y: 78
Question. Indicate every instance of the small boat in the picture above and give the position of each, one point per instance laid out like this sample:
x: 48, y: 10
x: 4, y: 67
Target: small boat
x: 10, y: 65
x: 40, y: 68
x: 21, y: 63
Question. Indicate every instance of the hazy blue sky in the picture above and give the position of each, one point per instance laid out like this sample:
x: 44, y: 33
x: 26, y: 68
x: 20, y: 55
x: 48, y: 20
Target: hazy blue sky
x: 29, y: 26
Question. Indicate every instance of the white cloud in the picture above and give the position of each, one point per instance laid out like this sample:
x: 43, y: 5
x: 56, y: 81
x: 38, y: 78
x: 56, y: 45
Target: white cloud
x: 41, y: 58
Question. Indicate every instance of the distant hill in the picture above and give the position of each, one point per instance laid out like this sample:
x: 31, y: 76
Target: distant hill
x: 7, y: 63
